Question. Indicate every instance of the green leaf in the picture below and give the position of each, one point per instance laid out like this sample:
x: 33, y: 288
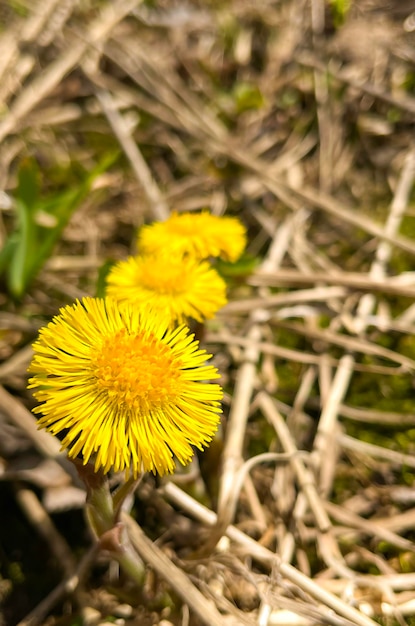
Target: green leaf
x: 241, y: 268
x: 40, y: 222
x: 247, y: 96
x: 340, y: 9
x: 24, y: 251
x: 28, y: 183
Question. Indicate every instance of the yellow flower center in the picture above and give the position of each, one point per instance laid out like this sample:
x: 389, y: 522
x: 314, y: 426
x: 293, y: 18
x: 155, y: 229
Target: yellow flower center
x: 137, y: 371
x: 171, y: 281
x: 185, y: 228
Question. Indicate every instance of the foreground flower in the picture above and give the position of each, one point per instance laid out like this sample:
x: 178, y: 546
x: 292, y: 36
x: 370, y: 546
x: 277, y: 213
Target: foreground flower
x: 199, y: 234
x: 180, y: 288
x: 124, y: 390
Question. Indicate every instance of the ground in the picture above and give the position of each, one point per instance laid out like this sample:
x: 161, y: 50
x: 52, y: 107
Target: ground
x: 296, y: 117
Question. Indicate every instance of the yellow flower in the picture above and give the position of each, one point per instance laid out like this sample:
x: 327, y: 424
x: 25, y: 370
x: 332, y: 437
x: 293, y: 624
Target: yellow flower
x: 180, y: 288
x: 199, y: 234
x: 123, y: 389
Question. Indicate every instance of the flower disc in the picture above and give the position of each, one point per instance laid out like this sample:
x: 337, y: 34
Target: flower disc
x: 122, y: 388
x: 201, y: 235
x: 180, y: 288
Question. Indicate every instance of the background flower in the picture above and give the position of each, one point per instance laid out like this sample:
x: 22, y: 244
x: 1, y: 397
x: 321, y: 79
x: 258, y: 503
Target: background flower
x: 199, y: 234
x: 122, y: 388
x: 180, y: 288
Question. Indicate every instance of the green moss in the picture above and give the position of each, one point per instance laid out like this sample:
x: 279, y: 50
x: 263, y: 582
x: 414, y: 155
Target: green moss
x: 340, y: 10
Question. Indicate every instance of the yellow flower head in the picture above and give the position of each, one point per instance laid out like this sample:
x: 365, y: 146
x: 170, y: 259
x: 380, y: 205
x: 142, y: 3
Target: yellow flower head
x: 180, y: 288
x: 199, y: 234
x: 122, y: 388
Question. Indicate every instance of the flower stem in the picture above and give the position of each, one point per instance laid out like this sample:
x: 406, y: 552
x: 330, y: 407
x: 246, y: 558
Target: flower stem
x: 102, y: 513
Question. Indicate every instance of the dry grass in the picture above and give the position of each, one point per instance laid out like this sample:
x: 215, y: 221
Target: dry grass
x: 303, y: 127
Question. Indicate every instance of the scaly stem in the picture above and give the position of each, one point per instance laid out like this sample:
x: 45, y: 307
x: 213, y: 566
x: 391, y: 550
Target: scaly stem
x: 102, y: 512
x: 116, y: 542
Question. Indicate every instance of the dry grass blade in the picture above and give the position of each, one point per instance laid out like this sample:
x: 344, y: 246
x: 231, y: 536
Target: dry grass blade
x: 266, y: 348
x: 307, y: 295
x: 376, y: 417
x: 405, y: 103
x: 351, y: 343
x: 265, y: 556
x: 32, y: 28
x: 327, y: 425
x: 45, y: 527
x: 154, y: 557
x: 370, y: 449
x: 42, y: 85
x: 46, y: 444
x: 157, y: 203
x: 359, y: 282
x: 303, y: 476
x: 206, y: 128
x: 233, y: 458
x: 342, y: 516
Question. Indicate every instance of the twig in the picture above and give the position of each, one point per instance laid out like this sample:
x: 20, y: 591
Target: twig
x: 297, y: 355
x: 45, y: 443
x: 43, y: 525
x: 350, y: 343
x: 15, y: 410
x: 140, y: 168
x: 359, y: 282
x: 31, y: 28
x: 45, y: 82
x: 201, y: 123
x: 329, y: 415
x: 304, y: 477
x: 326, y: 128
x: 232, y: 454
x: 284, y: 299
x: 379, y: 452
x: 267, y: 348
x: 375, y: 528
x: 405, y: 104
x: 17, y: 363
x: 153, y: 556
x: 371, y: 416
x: 265, y: 556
